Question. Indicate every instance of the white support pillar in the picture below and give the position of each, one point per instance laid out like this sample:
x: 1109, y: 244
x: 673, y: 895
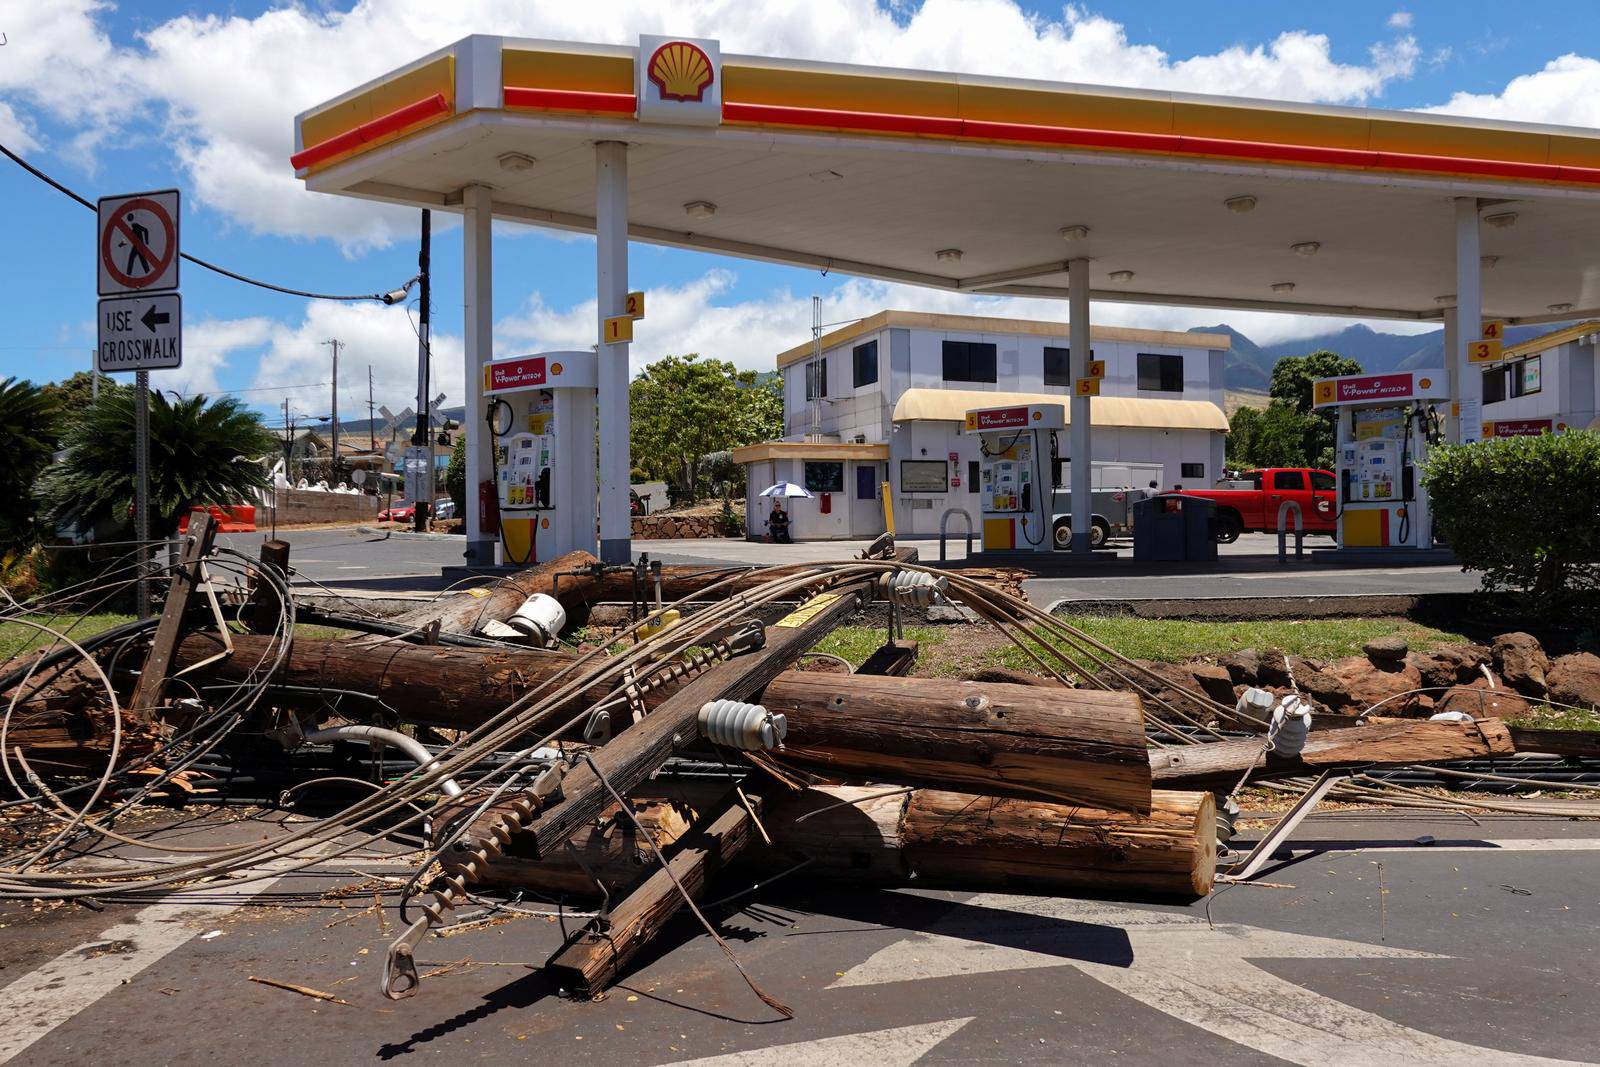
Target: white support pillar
x: 1452, y: 425
x: 1078, y: 422
x: 1469, y: 319
x: 611, y: 291
x: 477, y: 288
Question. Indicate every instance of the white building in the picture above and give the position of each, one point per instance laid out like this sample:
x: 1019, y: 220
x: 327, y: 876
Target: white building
x: 886, y: 398
x: 1543, y: 385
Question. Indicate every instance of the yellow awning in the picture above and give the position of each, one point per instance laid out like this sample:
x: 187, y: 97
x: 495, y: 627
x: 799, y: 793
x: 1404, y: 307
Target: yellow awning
x: 952, y: 405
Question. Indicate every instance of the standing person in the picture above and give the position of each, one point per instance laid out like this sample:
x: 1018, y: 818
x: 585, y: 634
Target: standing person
x: 778, y: 524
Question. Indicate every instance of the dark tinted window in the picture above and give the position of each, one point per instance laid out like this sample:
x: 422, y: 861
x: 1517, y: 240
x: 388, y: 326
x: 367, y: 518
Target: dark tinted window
x: 824, y: 477
x: 1057, y: 366
x: 1194, y: 470
x: 1494, y: 385
x: 865, y: 358
x: 1162, y: 374
x: 969, y: 361
x: 817, y: 379
x: 1321, y: 480
x: 972, y: 476
x: 1288, y: 480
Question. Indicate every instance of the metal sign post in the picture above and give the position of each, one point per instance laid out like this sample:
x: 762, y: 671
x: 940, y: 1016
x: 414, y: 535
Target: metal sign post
x: 140, y: 325
x: 141, y: 490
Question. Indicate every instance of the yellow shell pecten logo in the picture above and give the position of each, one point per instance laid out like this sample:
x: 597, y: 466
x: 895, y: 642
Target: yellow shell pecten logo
x: 681, y: 71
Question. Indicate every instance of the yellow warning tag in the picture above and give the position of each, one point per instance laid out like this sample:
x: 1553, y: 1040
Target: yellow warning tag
x: 807, y: 611
x: 479, y: 593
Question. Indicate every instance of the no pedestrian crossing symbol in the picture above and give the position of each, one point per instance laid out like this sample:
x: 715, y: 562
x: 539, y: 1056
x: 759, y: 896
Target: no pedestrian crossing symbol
x: 137, y: 243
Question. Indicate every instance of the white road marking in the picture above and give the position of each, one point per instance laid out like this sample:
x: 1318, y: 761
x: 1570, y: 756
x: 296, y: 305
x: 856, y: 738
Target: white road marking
x: 1183, y: 967
x: 54, y: 992
x: 899, y: 1047
x: 1505, y: 844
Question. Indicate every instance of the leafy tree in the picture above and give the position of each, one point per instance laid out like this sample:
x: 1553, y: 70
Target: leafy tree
x: 683, y: 408
x: 201, y: 452
x: 75, y: 393
x: 1292, y: 378
x: 455, y: 476
x: 1525, y: 511
x: 1277, y: 436
x: 30, y: 430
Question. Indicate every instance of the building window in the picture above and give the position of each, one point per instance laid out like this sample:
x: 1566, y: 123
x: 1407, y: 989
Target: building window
x: 817, y: 379
x: 969, y: 361
x: 1160, y: 374
x: 1525, y: 377
x: 822, y: 476
x: 865, y: 358
x: 923, y: 476
x: 866, y: 481
x: 1494, y: 385
x: 1192, y: 470
x: 972, y: 476
x: 1057, y: 366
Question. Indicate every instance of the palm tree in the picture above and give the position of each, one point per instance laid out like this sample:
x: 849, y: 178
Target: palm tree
x: 30, y: 429
x: 201, y: 452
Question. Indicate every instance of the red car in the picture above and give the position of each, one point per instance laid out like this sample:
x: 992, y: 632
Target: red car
x: 1255, y: 505
x: 405, y: 511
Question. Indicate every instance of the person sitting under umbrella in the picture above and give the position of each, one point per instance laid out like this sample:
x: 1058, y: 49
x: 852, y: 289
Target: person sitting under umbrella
x: 778, y: 524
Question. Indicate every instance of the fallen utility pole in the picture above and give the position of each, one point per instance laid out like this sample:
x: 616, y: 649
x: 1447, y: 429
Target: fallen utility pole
x: 597, y: 954
x: 153, y: 677
x: 1380, y: 743
x: 466, y: 614
x: 1082, y: 745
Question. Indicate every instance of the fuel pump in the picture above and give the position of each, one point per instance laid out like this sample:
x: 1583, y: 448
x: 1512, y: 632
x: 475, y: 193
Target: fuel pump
x: 540, y: 418
x: 1018, y: 446
x: 1385, y: 425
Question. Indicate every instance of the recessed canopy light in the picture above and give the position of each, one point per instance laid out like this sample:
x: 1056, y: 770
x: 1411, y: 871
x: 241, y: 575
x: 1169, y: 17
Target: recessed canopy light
x: 1501, y: 221
x: 516, y: 162
x: 1447, y: 300
x: 700, y: 209
x: 948, y: 255
x: 1560, y: 308
x: 1283, y: 287
x: 1074, y: 233
x: 1306, y: 248
x: 1241, y: 204
x: 1488, y: 262
x: 826, y: 176
x: 1121, y: 275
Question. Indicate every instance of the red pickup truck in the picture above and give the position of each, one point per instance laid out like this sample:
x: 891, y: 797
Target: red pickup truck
x: 1252, y: 502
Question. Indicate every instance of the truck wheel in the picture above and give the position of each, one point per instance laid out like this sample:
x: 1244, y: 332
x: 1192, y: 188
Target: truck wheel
x: 1229, y: 527
x: 1099, y: 533
x: 1063, y: 534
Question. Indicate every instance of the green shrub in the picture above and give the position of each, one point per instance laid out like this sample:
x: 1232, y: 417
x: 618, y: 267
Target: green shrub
x: 1525, y: 511
x: 455, y: 476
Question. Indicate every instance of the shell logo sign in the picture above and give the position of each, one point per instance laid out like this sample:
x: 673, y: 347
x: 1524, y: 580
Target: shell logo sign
x: 682, y: 71
x: 679, y: 80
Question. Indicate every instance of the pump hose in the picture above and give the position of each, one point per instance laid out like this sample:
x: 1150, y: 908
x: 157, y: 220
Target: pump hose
x: 493, y: 408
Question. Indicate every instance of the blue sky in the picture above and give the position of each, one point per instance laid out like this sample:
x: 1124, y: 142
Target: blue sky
x: 200, y: 96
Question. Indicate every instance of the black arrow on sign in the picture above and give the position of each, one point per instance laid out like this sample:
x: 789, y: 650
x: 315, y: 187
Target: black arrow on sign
x: 153, y: 318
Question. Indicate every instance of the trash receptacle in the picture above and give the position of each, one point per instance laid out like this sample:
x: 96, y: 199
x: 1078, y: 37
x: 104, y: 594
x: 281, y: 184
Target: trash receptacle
x: 1174, y: 528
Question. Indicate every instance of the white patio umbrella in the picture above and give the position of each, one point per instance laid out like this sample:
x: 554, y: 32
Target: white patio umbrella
x: 786, y: 489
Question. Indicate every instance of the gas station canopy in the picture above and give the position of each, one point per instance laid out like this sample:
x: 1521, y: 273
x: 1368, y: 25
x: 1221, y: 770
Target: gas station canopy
x: 968, y: 183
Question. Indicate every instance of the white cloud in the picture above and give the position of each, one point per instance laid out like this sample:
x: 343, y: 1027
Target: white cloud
x: 207, y: 348
x: 1400, y: 20
x: 1566, y: 92
x: 227, y: 88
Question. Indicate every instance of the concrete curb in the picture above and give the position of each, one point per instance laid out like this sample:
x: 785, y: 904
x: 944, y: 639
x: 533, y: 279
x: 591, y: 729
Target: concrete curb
x: 1321, y: 606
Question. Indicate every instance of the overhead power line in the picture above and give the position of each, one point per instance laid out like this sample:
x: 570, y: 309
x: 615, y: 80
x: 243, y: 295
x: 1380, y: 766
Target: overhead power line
x: 391, y: 297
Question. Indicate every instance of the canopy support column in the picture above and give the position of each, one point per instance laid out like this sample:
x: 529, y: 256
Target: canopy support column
x: 1078, y: 422
x: 1469, y: 319
x: 611, y: 292
x: 477, y: 320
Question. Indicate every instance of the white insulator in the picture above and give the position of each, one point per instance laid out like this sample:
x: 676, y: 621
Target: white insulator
x: 1290, y: 726
x: 735, y: 724
x: 917, y: 588
x: 1451, y: 716
x: 1254, y: 703
x: 541, y: 617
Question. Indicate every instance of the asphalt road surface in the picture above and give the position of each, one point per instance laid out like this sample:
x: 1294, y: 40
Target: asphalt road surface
x: 379, y: 562
x: 1362, y: 948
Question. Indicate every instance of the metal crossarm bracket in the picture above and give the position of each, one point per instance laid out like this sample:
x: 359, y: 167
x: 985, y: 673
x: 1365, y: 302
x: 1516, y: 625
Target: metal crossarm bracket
x: 1268, y: 845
